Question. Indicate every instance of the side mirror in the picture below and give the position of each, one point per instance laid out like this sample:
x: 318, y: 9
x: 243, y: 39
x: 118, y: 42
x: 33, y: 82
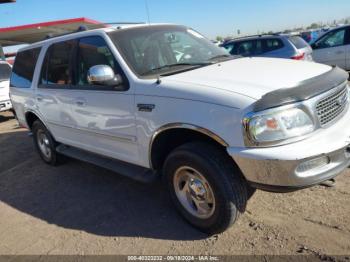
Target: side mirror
x: 103, y: 75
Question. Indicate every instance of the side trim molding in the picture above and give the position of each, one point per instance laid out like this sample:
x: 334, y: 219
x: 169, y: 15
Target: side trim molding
x: 183, y: 126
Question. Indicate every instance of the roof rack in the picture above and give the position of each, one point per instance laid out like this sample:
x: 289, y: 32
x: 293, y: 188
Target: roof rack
x: 120, y: 24
x: 81, y: 28
x: 258, y: 35
x: 85, y: 28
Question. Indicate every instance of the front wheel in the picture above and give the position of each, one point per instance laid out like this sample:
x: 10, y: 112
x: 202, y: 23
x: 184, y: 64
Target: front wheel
x: 205, y: 186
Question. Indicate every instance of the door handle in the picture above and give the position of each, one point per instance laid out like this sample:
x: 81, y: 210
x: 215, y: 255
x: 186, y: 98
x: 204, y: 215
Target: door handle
x: 80, y: 102
x: 39, y: 98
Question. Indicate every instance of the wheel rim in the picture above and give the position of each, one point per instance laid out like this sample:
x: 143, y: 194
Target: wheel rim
x: 194, y: 192
x: 44, y: 144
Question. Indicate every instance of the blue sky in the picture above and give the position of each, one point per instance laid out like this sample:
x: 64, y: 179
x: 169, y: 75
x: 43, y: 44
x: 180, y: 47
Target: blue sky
x: 210, y: 17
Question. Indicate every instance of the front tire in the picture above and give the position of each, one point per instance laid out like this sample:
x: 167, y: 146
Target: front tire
x: 45, y: 144
x: 205, y: 186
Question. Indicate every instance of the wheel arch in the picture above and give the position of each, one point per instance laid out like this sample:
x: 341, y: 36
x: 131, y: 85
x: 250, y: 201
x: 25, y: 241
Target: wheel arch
x: 172, y: 135
x: 31, y: 117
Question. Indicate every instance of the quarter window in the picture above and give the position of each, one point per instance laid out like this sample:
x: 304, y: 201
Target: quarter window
x: 23, y: 69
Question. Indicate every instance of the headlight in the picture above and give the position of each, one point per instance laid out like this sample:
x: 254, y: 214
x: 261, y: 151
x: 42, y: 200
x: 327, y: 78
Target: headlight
x: 277, y: 125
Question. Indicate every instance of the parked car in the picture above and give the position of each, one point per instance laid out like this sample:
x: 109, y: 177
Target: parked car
x: 5, y: 72
x: 279, y: 46
x: 152, y: 101
x: 333, y: 48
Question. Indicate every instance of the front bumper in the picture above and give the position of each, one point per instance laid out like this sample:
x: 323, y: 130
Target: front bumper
x: 279, y: 168
x: 5, y: 105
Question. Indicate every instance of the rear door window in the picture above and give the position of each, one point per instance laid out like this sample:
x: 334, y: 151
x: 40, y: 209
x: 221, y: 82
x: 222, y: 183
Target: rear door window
x: 23, y: 69
x: 272, y: 44
x: 5, y: 71
x: 56, y: 70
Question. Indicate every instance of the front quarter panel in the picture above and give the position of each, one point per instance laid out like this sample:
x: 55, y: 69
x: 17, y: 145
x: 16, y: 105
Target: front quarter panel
x: 217, y: 111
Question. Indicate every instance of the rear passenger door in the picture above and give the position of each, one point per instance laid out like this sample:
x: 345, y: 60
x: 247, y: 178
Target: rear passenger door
x: 52, y: 95
x: 272, y: 47
x: 104, y: 115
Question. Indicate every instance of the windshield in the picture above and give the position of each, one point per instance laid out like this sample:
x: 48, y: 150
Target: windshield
x: 5, y: 72
x: 165, y: 49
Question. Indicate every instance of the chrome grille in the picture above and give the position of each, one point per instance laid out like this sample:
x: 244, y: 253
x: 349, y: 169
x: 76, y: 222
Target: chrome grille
x: 329, y: 108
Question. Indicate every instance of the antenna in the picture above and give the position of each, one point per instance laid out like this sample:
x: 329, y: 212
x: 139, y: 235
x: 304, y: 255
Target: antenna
x: 147, y: 11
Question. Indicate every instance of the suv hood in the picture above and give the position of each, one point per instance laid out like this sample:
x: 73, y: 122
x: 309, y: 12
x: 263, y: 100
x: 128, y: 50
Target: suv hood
x: 252, y: 77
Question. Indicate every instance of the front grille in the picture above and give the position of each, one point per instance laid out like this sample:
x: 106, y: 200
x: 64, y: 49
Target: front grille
x: 330, y: 108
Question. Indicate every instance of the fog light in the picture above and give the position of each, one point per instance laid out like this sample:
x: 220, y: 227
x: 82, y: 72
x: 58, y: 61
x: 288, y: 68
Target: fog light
x: 313, y: 163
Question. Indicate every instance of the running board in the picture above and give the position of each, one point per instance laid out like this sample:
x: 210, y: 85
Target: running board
x: 138, y: 173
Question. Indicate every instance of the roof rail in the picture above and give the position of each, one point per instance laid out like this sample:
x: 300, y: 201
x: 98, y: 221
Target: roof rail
x: 120, y: 24
x: 81, y: 28
x: 85, y: 28
x: 258, y: 35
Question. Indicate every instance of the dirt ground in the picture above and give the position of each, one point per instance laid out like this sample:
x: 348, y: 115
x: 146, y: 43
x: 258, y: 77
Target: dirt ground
x: 78, y: 208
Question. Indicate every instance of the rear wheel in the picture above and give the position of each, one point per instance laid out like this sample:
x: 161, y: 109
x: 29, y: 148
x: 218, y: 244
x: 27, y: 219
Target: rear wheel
x: 45, y: 144
x: 205, y: 186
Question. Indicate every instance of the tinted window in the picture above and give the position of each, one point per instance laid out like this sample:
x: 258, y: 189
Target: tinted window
x: 23, y: 69
x: 272, y: 44
x: 229, y: 47
x: 5, y: 72
x: 56, y: 69
x: 245, y: 48
x: 332, y: 39
x: 259, y: 49
x: 93, y: 51
x: 298, y: 42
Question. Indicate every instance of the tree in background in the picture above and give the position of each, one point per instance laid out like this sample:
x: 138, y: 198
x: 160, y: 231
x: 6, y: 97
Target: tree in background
x: 314, y: 26
x: 219, y: 38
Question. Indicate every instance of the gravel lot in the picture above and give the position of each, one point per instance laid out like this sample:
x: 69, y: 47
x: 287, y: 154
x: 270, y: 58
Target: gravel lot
x: 78, y: 208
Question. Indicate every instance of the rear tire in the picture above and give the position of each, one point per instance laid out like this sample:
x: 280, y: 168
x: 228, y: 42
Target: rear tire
x: 205, y: 186
x: 45, y: 144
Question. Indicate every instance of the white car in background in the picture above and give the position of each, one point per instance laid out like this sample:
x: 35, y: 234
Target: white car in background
x: 5, y: 72
x: 333, y: 48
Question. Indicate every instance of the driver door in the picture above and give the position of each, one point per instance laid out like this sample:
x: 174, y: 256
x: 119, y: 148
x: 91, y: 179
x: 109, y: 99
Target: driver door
x: 331, y: 49
x: 104, y: 115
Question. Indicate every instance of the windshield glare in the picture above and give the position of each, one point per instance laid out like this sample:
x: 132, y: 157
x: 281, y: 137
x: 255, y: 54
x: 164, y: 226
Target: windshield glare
x: 160, y: 49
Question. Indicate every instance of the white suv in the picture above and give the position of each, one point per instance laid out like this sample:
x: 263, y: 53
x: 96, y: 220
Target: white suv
x: 162, y: 100
x: 5, y: 72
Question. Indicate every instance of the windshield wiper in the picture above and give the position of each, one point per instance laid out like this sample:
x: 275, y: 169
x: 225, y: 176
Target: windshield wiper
x: 219, y: 57
x: 176, y: 65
